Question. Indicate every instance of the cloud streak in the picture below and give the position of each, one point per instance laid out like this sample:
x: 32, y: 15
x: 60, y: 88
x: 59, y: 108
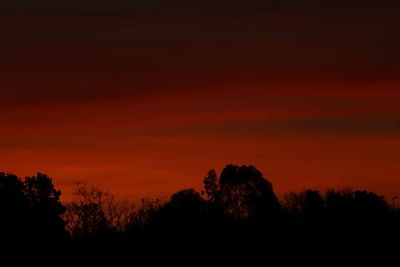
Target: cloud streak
x: 69, y: 51
x: 158, y: 92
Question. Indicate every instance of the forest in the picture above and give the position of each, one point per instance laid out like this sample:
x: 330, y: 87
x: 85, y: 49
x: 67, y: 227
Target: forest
x: 235, y: 220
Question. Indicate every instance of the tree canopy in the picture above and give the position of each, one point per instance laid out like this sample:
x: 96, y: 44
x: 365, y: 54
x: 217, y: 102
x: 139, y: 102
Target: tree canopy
x: 242, y: 191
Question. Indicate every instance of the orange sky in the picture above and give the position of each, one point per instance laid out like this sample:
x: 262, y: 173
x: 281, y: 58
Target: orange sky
x: 144, y: 100
x: 157, y: 144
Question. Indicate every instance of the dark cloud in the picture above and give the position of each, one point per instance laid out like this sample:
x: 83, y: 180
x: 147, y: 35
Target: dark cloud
x: 63, y: 51
x: 336, y: 126
x: 345, y: 125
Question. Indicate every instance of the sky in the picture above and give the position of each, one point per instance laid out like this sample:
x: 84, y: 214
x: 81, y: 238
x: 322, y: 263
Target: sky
x: 145, y: 97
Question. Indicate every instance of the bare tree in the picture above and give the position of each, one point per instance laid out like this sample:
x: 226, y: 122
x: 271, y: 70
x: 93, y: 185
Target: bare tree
x: 95, y: 209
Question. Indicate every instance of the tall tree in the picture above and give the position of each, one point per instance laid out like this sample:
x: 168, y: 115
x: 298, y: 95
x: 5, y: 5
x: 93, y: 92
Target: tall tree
x: 46, y: 209
x: 30, y: 211
x: 242, y: 191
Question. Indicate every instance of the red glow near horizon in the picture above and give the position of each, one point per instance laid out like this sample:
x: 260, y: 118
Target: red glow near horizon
x: 156, y: 144
x: 144, y: 99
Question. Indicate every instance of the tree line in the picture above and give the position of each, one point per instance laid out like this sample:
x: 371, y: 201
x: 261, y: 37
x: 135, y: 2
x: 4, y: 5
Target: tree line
x: 236, y: 219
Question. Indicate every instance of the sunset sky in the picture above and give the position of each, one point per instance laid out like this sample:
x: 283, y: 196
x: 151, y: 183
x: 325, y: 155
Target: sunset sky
x: 144, y: 97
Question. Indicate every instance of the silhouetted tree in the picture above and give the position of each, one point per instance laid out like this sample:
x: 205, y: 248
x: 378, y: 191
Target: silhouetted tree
x: 46, y: 209
x: 238, y: 222
x: 242, y: 192
x: 211, y: 186
x: 184, y: 209
x: 96, y: 211
x: 31, y: 211
x: 252, y: 209
x: 14, y: 208
x: 357, y: 213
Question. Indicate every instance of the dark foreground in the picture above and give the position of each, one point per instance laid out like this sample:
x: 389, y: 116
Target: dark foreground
x: 235, y: 221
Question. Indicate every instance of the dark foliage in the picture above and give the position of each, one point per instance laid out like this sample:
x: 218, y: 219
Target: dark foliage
x: 235, y: 221
x: 30, y: 213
